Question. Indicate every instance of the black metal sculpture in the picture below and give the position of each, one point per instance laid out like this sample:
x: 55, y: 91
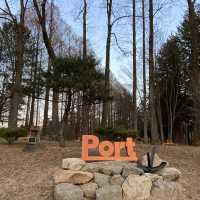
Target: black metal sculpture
x: 150, y: 168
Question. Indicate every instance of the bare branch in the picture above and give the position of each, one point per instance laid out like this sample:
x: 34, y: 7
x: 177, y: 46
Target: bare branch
x: 122, y: 17
x: 6, y: 18
x: 10, y: 13
x: 42, y: 20
x: 25, y: 5
x: 44, y: 12
x: 4, y: 12
x: 79, y: 14
x: 161, y: 7
x: 157, y: 10
x: 117, y: 43
x: 37, y: 9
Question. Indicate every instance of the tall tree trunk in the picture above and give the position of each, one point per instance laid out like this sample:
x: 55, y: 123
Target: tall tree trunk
x: 19, y: 62
x: 134, y: 68
x: 34, y: 68
x: 154, y: 128
x: 85, y: 117
x: 110, y: 115
x: 78, y: 120
x: 160, y: 120
x: 85, y: 108
x: 64, y: 120
x: 15, y: 91
x: 62, y: 105
x: 32, y: 112
x: 195, y: 71
x: 55, y: 115
x: 37, y: 120
x: 41, y: 13
x: 46, y: 104
x: 93, y: 117
x: 144, y: 73
x: 55, y: 99
x: 170, y: 132
x: 105, y: 112
x: 47, y: 92
x: 27, y: 112
x: 42, y: 19
x: 85, y: 29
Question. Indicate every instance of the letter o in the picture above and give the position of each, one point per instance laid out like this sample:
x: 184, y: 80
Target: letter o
x: 106, y: 153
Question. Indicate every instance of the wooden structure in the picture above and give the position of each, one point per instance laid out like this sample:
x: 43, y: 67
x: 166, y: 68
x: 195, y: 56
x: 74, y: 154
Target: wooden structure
x: 34, y: 135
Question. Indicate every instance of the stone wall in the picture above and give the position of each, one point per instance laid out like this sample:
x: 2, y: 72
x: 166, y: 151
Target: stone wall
x: 114, y: 180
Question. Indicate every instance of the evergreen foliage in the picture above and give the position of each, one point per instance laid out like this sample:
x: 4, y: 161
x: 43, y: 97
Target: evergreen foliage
x: 73, y: 72
x: 118, y: 133
x: 12, y: 134
x: 174, y: 82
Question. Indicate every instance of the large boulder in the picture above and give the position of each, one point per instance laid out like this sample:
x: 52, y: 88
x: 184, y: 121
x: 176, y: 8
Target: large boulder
x: 91, y: 167
x: 66, y: 191
x: 111, y: 169
x: 136, y: 187
x: 106, y: 167
x: 116, y: 180
x: 109, y: 192
x: 73, y: 163
x: 89, y: 190
x: 169, y: 173
x: 72, y: 176
x: 153, y: 177
x: 101, y: 179
x: 131, y: 169
x: 166, y: 190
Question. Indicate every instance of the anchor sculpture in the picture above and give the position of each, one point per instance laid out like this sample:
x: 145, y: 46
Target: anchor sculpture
x: 151, y: 166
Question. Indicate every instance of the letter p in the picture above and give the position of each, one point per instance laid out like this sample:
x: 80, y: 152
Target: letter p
x: 88, y: 142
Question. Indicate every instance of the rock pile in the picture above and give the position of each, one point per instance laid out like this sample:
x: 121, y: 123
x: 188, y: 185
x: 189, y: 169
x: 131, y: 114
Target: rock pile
x: 114, y: 180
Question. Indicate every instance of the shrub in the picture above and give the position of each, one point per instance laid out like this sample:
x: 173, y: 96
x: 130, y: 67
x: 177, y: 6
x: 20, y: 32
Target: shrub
x: 123, y: 132
x: 119, y: 133
x: 104, y: 131
x: 12, y: 134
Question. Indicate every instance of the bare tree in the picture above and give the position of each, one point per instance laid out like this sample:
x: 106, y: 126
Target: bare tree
x: 34, y: 79
x: 42, y: 19
x: 154, y: 128
x: 134, y: 66
x: 84, y: 29
x: 144, y: 72
x: 47, y: 41
x: 46, y: 105
x: 111, y: 21
x: 105, y: 112
x: 85, y: 109
x: 15, y: 96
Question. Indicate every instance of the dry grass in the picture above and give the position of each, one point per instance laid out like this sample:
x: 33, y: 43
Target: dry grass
x: 27, y: 176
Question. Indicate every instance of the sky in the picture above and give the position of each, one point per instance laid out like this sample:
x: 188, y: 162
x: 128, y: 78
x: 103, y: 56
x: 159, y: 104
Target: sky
x: 166, y: 22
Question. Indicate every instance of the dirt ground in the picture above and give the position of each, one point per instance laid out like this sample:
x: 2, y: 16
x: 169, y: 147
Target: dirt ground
x: 27, y: 175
